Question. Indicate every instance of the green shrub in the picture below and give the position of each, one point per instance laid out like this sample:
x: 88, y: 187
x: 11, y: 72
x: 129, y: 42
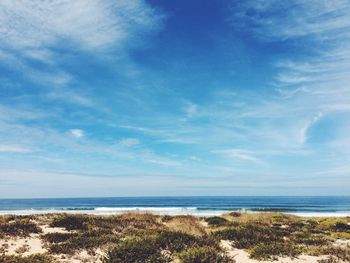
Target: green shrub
x: 84, y: 240
x: 35, y: 258
x: 175, y: 241
x: 248, y: 235
x: 22, y: 227
x: 178, y: 241
x: 137, y: 250
x: 203, y: 255
x: 58, y: 237
x: 338, y: 252
x: 341, y: 227
x: 71, y: 222
x: 272, y: 250
x: 309, y: 239
x: 296, y: 226
x: 216, y: 221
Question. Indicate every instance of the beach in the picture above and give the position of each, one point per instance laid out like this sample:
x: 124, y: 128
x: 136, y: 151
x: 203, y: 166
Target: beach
x: 145, y: 237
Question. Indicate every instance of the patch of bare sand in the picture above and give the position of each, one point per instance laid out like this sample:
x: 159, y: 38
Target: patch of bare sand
x: 343, y: 243
x: 82, y: 257
x: 47, y: 229
x: 242, y: 256
x: 23, y: 245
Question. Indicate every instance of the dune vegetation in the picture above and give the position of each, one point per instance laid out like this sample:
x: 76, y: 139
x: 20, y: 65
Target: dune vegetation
x: 150, y: 238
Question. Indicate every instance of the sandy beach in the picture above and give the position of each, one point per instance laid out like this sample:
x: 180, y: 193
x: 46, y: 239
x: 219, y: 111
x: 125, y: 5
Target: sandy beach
x: 235, y: 237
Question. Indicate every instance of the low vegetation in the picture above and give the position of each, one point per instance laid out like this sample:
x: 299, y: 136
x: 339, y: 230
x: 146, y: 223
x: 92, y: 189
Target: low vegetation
x: 267, y: 251
x: 18, y: 227
x: 205, y: 255
x: 216, y: 221
x: 162, y: 247
x: 35, y: 258
x: 150, y: 238
x: 139, y: 250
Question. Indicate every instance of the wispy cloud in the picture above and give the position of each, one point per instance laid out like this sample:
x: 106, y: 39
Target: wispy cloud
x: 239, y: 155
x: 34, y: 27
x: 77, y: 133
x: 310, y: 85
x: 12, y: 148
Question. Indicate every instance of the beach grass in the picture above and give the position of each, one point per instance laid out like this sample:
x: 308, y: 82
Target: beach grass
x: 187, y: 239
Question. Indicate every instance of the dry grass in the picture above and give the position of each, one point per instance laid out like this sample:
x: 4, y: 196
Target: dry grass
x: 187, y: 224
x: 169, y: 238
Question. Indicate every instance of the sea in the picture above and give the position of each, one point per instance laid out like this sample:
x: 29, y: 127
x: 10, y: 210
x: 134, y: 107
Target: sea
x: 326, y: 206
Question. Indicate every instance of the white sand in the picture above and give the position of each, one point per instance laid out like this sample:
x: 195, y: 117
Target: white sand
x: 31, y: 245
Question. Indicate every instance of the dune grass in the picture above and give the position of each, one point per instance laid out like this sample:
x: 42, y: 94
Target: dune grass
x: 18, y: 226
x: 151, y: 238
x: 35, y: 258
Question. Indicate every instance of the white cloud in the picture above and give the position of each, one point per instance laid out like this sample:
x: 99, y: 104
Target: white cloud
x: 77, y: 133
x: 43, y: 30
x: 11, y: 148
x: 320, y: 19
x: 87, y: 24
x: 239, y: 154
x: 128, y: 142
x: 309, y: 86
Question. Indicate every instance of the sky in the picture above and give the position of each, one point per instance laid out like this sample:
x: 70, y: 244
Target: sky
x: 170, y: 98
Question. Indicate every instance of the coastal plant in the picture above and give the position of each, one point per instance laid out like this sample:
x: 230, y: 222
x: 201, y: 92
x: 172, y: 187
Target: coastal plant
x: 296, y: 226
x: 21, y: 227
x: 248, y: 235
x: 216, y: 221
x: 35, y: 258
x: 57, y: 237
x: 175, y: 241
x: 330, y: 259
x: 69, y: 243
x: 341, y: 227
x: 140, y: 250
x: 309, y: 239
x: 178, y: 241
x: 203, y: 255
x: 70, y: 222
x: 273, y: 250
x: 341, y: 253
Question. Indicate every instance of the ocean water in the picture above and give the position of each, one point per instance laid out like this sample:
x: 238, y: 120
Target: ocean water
x: 198, y: 206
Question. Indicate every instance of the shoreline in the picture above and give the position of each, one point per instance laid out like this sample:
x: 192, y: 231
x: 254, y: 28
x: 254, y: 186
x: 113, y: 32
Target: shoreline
x: 171, y: 211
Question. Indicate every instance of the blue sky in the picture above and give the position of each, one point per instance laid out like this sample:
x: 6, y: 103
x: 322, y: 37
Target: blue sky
x: 134, y: 98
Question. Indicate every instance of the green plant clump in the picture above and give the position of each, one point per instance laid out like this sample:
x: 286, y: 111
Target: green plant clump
x: 140, y: 250
x: 162, y: 247
x: 69, y: 243
x: 70, y: 222
x: 203, y: 255
x: 22, y: 227
x: 216, y: 221
x: 248, y: 235
x: 274, y: 250
x: 35, y: 258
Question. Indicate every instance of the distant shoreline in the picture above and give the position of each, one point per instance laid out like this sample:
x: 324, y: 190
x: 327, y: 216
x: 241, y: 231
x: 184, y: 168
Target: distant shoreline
x: 175, y: 211
x: 204, y: 206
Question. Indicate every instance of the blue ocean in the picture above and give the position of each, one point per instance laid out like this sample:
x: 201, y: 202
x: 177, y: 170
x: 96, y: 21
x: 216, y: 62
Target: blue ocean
x: 198, y: 206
